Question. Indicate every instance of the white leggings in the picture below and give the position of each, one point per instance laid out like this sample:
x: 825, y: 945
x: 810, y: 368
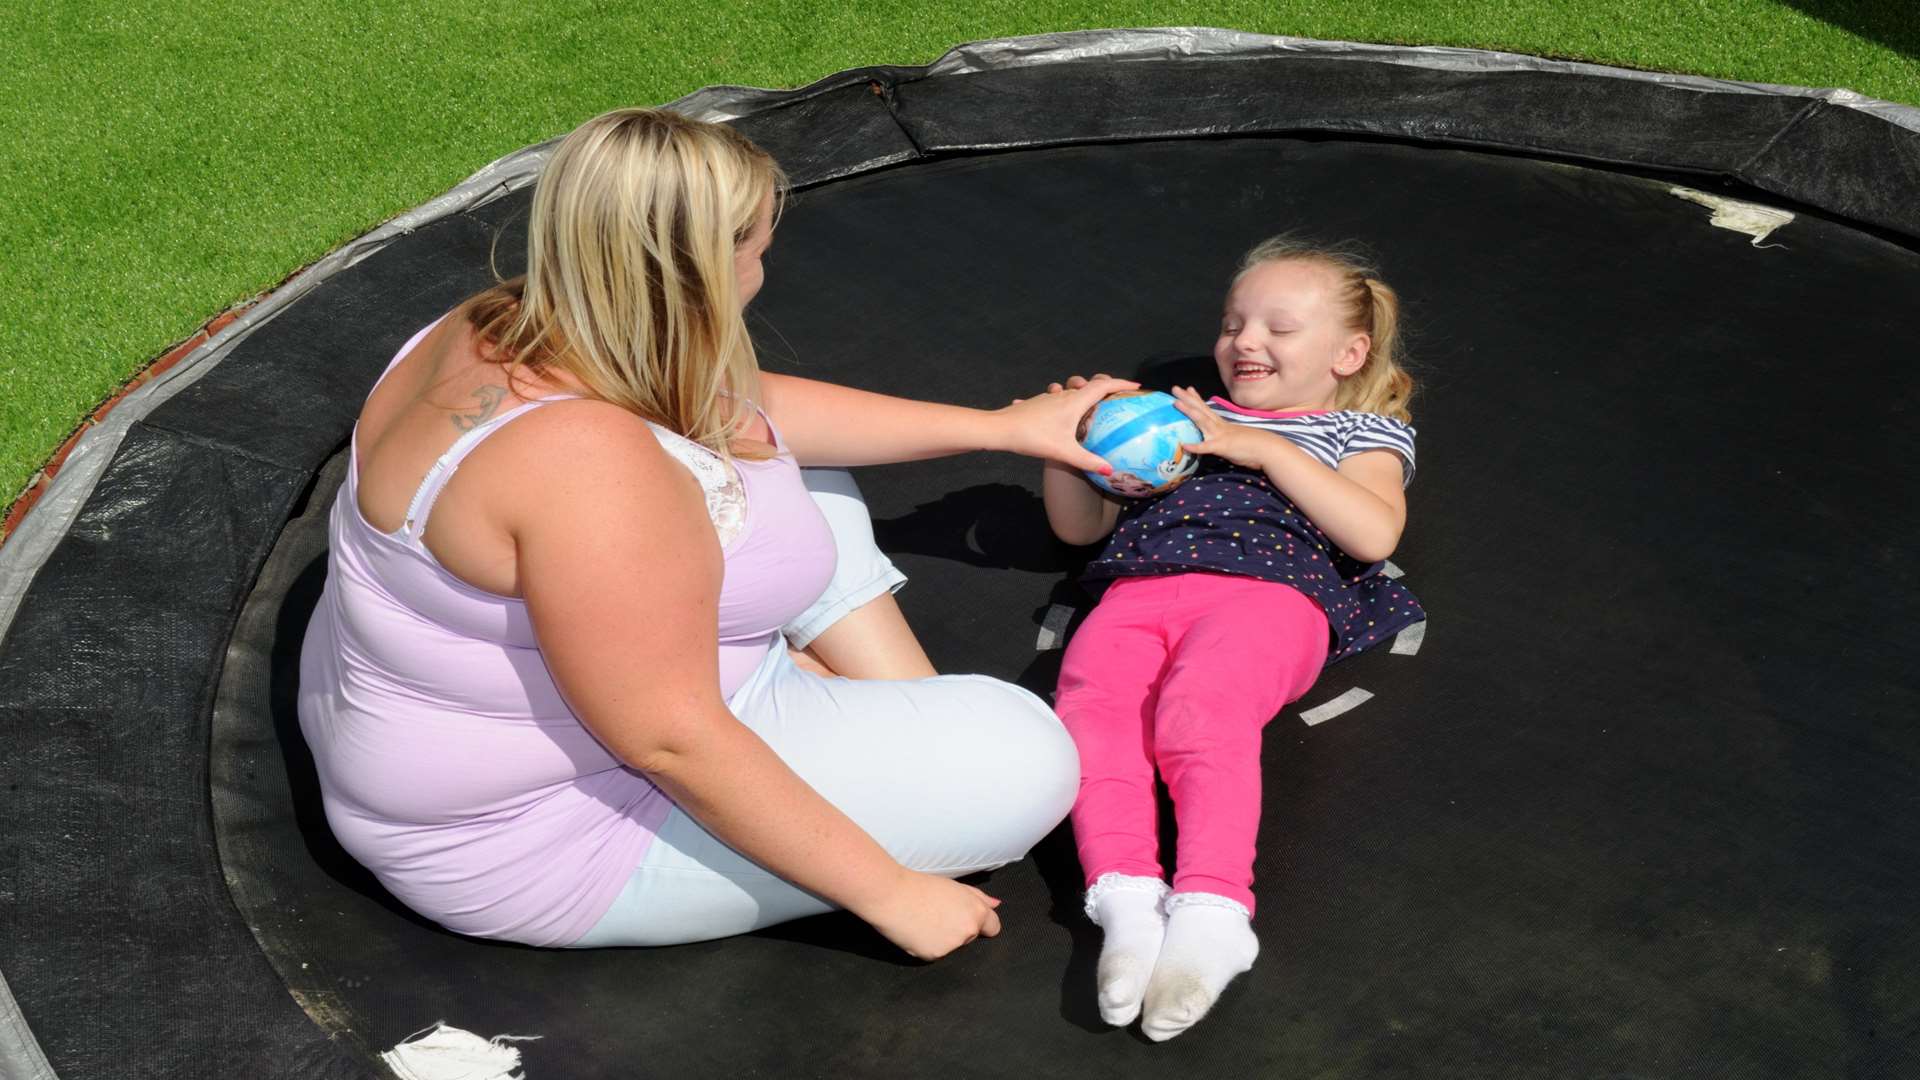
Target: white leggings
x: 951, y: 774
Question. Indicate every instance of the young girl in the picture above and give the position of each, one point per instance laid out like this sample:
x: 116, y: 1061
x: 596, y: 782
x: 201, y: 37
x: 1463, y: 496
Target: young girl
x: 1229, y: 594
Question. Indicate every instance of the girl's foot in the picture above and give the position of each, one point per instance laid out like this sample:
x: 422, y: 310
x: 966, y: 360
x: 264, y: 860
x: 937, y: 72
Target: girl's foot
x: 1127, y: 910
x: 1209, y: 940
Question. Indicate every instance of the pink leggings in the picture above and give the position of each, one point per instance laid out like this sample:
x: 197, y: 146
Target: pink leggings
x: 1181, y: 672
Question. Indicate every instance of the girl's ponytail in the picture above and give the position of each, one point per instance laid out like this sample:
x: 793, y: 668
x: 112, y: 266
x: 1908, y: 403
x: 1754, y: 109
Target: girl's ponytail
x: 1389, y: 388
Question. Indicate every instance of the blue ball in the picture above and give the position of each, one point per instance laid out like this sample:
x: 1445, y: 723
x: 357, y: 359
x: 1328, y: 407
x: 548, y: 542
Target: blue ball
x: 1139, y: 432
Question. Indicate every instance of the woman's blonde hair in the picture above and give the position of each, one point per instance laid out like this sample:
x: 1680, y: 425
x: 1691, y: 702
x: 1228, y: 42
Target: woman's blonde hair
x: 630, y: 284
x: 1369, y: 306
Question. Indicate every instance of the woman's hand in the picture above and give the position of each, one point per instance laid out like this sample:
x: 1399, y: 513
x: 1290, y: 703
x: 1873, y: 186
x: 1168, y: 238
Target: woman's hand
x: 1074, y: 382
x: 929, y: 916
x: 1047, y: 425
x: 1247, y: 447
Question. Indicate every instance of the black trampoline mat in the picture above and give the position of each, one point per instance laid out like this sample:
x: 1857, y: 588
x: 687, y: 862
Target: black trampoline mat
x: 1642, y: 804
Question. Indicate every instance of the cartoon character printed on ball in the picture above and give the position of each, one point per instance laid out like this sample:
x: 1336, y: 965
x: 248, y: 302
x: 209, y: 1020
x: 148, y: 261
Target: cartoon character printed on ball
x: 1128, y: 485
x: 1141, y: 434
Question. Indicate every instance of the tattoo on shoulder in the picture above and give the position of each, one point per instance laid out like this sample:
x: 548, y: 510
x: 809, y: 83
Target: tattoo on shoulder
x: 490, y: 398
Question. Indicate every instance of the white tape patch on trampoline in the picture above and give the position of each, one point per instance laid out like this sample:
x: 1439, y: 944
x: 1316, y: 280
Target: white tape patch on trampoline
x: 1053, y: 628
x: 449, y: 1053
x: 1346, y: 702
x: 1407, y: 642
x: 1742, y: 217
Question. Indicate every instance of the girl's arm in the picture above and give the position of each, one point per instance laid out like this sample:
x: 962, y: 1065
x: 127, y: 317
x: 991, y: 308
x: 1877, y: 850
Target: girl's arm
x: 826, y: 424
x: 621, y: 575
x: 1078, y: 512
x: 1360, y: 506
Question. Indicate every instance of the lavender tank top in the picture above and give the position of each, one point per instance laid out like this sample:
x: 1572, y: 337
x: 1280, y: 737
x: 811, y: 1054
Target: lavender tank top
x: 449, y: 764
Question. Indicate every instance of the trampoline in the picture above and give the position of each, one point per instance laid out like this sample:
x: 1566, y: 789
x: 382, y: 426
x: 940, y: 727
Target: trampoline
x: 1642, y: 801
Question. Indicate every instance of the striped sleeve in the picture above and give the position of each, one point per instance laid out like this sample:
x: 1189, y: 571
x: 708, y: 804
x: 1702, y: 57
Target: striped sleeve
x: 1371, y: 431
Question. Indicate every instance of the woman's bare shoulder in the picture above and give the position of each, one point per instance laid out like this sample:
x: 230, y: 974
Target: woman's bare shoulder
x: 581, y: 440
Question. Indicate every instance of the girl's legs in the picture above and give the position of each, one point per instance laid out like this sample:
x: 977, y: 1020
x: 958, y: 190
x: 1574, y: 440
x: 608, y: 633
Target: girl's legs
x: 1242, y: 649
x: 1107, y: 692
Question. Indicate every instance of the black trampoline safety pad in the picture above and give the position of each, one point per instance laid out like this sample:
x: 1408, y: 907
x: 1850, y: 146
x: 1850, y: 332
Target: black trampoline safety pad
x: 1640, y: 802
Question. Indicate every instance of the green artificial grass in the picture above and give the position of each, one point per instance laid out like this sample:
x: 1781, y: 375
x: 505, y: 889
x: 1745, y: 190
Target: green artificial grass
x: 166, y: 161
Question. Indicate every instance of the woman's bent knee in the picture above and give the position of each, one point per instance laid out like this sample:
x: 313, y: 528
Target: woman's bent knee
x: 1033, y: 767
x: 1055, y: 765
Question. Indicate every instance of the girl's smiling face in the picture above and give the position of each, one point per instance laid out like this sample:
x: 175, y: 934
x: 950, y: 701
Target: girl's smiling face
x: 1283, y: 344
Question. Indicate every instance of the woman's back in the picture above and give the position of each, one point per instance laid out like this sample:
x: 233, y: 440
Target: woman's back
x: 451, y: 764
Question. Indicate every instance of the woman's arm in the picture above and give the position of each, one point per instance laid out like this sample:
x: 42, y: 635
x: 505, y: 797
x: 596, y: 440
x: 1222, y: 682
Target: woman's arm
x: 826, y: 424
x: 1360, y: 506
x: 621, y: 574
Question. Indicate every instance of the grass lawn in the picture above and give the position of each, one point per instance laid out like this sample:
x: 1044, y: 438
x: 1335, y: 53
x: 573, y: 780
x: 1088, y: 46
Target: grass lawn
x: 167, y: 160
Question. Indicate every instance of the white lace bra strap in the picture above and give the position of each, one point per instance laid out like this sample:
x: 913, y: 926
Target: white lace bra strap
x: 719, y: 481
x: 415, y: 526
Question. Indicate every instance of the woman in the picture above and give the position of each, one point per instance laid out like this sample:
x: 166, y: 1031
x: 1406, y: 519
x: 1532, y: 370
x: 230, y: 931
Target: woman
x: 547, y: 688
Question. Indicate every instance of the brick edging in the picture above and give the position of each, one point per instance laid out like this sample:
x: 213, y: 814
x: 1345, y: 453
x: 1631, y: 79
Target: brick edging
x: 37, y: 486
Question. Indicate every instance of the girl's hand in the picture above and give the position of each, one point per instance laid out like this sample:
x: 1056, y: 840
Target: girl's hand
x: 931, y: 916
x: 1047, y: 425
x: 1248, y: 447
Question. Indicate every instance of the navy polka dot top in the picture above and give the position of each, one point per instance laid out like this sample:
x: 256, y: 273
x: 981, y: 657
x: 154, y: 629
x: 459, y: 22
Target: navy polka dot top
x: 1231, y: 520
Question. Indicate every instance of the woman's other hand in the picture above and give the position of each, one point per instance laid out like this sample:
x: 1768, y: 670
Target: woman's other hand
x: 930, y: 916
x: 1047, y: 425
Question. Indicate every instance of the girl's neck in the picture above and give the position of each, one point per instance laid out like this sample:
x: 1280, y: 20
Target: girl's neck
x: 1274, y: 414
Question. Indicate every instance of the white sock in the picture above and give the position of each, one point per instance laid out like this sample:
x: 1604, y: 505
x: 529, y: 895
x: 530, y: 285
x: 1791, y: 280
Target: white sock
x: 1209, y: 941
x: 1127, y: 910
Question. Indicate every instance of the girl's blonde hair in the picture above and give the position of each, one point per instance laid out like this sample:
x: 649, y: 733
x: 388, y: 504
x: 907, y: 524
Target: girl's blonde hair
x: 630, y: 284
x: 1369, y: 306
